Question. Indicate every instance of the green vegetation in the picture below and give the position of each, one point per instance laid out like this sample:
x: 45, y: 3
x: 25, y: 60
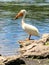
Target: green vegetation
x: 47, y: 43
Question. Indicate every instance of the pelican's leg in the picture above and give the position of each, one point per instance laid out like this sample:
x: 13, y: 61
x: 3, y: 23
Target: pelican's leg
x: 29, y: 37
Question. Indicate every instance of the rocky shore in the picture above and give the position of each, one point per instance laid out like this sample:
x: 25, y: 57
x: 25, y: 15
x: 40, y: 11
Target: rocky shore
x: 32, y: 52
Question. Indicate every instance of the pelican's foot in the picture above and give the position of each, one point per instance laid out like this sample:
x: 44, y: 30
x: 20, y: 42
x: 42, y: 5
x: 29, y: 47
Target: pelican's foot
x: 27, y: 39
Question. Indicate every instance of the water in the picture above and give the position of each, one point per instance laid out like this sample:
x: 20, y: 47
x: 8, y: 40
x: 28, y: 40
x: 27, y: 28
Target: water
x: 11, y: 31
x: 25, y: 1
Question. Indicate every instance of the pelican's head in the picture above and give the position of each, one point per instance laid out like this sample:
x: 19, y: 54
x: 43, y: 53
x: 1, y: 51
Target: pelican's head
x: 21, y: 13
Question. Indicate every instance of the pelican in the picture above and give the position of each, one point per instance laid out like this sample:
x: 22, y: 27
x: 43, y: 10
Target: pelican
x: 30, y: 29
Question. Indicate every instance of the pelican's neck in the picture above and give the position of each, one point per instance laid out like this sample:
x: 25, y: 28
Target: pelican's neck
x: 23, y: 19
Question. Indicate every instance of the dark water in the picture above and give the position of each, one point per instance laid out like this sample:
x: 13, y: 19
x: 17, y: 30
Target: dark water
x: 11, y: 31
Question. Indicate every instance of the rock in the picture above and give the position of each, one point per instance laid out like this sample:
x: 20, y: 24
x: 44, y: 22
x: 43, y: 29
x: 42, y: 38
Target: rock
x: 26, y: 42
x: 2, y: 59
x: 30, y: 48
x: 36, y: 47
x: 46, y: 35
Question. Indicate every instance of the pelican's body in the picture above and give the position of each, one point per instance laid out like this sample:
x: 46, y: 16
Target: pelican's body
x: 31, y: 30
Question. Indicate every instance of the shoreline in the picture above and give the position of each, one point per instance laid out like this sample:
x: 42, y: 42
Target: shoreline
x: 34, y: 52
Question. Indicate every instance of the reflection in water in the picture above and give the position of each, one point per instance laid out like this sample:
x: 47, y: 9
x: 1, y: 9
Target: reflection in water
x: 11, y: 31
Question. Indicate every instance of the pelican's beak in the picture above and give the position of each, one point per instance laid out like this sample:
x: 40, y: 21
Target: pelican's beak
x: 20, y: 14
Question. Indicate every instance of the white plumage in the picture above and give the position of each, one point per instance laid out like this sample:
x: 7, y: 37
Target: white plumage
x: 30, y: 29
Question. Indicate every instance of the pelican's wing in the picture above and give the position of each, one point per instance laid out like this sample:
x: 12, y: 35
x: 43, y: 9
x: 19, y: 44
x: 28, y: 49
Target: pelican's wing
x: 31, y: 29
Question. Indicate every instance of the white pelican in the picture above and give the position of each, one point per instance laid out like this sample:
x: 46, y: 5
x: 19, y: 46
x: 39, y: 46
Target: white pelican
x: 31, y: 30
